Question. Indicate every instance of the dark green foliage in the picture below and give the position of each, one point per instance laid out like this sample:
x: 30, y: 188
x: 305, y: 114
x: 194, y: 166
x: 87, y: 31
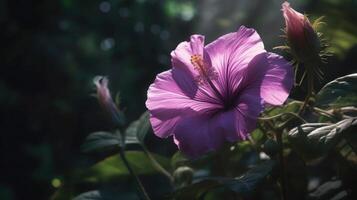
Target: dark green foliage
x: 101, y: 141
x: 339, y: 93
x: 242, y: 185
x: 316, y: 139
x: 51, y: 50
x: 139, y: 128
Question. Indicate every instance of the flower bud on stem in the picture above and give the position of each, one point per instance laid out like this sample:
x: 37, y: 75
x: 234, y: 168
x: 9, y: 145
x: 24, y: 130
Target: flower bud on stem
x: 107, y: 103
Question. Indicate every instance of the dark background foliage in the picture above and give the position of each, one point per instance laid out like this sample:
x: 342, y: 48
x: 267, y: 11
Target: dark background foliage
x: 51, y: 50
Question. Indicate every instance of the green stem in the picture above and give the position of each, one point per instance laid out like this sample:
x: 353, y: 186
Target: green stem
x: 279, y: 140
x: 281, y: 114
x: 140, y: 187
x: 324, y: 112
x: 157, y: 165
x: 310, y: 90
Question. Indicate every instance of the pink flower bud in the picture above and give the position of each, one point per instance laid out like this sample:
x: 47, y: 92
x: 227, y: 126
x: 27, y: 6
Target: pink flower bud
x: 302, y: 38
x: 105, y: 99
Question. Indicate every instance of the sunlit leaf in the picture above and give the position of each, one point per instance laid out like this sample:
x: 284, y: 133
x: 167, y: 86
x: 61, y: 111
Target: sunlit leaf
x: 113, y: 168
x: 338, y: 93
x: 315, y: 140
x: 291, y: 106
x: 257, y: 135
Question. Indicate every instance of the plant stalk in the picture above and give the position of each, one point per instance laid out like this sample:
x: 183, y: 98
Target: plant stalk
x: 310, y: 90
x: 140, y: 187
x: 279, y: 140
x: 282, y: 114
x: 157, y: 165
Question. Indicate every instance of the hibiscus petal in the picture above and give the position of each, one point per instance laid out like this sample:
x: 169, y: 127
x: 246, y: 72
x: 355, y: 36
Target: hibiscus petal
x: 181, y: 56
x: 166, y: 103
x: 249, y: 106
x: 182, y: 67
x: 273, y: 75
x: 197, y: 135
x: 230, y: 55
x: 240, y: 120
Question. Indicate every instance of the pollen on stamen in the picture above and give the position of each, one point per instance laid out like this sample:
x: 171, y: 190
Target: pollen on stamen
x: 205, y: 71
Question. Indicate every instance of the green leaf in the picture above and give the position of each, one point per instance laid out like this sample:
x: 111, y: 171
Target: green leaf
x: 108, y: 172
x: 179, y: 159
x: 332, y: 188
x: 100, y: 142
x: 242, y: 185
x: 113, y: 168
x: 292, y: 106
x: 139, y: 128
x: 271, y: 147
x: 136, y: 132
x: 108, y: 192
x: 339, y: 93
x: 314, y: 140
x: 246, y: 183
x: 196, y: 191
x: 94, y: 195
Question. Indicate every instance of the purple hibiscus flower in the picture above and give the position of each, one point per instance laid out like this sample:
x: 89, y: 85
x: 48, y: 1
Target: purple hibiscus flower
x: 215, y: 93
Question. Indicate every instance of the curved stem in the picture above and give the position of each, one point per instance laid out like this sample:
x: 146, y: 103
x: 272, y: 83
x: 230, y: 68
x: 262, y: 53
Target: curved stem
x: 157, y: 165
x: 142, y: 192
x: 348, y: 109
x: 324, y: 112
x: 330, y: 113
x: 281, y: 114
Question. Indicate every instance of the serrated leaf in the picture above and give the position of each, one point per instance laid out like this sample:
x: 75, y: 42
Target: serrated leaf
x: 339, y: 93
x: 314, y: 140
x: 100, y: 141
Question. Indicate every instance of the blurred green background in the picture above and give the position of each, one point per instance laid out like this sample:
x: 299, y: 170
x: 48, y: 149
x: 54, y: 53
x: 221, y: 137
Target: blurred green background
x: 51, y: 50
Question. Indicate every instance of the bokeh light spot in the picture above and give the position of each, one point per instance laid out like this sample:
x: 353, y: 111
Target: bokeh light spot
x: 107, y: 44
x: 105, y: 6
x: 56, y: 182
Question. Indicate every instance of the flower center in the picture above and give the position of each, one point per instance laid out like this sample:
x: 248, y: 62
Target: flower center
x: 206, y: 73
